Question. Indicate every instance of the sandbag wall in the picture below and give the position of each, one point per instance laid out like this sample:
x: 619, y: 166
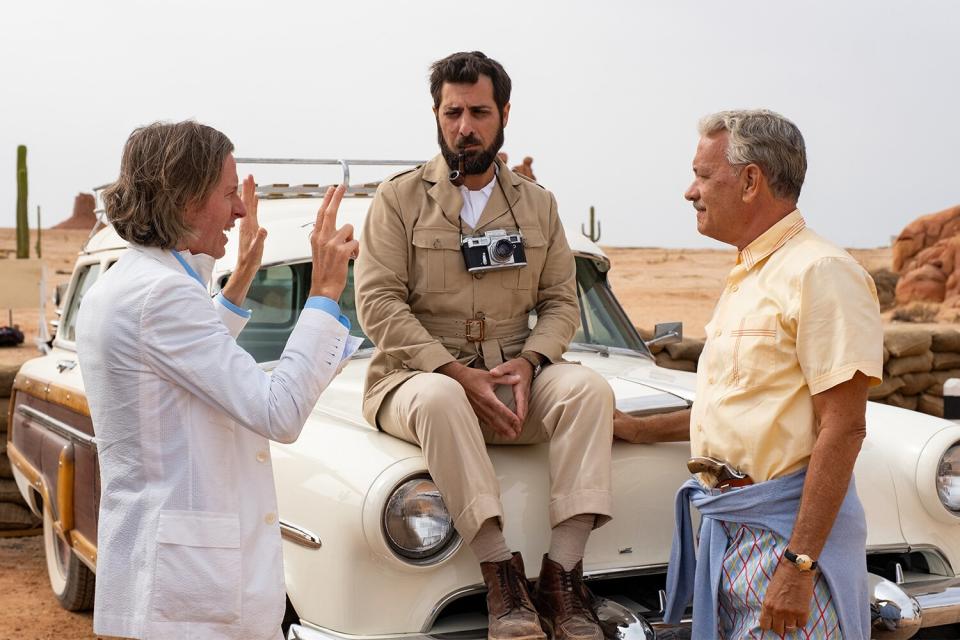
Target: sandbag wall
x: 917, y: 361
x: 15, y: 517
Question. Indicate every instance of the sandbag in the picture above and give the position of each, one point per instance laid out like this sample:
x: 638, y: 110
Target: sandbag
x: 931, y: 405
x: 945, y: 360
x: 15, y: 516
x: 686, y: 350
x: 889, y: 385
x: 910, y: 364
x: 943, y: 339
x: 916, y: 383
x: 664, y: 360
x: 902, y: 401
x: 906, y: 341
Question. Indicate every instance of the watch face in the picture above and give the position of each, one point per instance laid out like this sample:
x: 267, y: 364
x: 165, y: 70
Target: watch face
x: 804, y: 562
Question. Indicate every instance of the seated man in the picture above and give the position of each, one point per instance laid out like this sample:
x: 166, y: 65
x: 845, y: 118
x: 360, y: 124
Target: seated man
x: 457, y: 365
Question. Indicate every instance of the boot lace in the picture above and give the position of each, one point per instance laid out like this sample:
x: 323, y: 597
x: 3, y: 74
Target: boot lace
x: 571, y: 597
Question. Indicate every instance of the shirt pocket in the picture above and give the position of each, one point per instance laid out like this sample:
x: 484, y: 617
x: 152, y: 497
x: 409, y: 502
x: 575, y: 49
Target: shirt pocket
x: 437, y: 259
x: 535, y: 252
x: 198, y: 571
x: 754, y: 343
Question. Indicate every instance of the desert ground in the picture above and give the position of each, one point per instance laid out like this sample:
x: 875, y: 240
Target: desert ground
x: 654, y: 285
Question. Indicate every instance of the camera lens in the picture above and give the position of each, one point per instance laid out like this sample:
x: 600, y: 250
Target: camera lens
x: 502, y: 250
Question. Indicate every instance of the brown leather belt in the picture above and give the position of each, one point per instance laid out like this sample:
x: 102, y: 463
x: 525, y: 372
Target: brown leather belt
x: 733, y: 483
x: 486, y: 333
x: 726, y: 475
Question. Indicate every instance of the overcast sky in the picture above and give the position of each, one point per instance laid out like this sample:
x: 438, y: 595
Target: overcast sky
x: 606, y: 94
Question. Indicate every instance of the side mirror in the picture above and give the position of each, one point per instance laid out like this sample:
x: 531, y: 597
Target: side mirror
x: 666, y: 333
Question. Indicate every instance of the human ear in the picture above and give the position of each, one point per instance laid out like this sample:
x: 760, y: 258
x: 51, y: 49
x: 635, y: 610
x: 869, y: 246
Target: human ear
x: 505, y: 115
x: 750, y: 179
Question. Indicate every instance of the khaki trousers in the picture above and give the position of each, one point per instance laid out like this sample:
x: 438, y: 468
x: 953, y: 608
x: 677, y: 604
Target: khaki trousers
x: 571, y: 407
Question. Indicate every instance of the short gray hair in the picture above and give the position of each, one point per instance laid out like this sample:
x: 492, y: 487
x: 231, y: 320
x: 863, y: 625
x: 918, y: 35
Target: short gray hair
x: 766, y: 139
x: 165, y: 168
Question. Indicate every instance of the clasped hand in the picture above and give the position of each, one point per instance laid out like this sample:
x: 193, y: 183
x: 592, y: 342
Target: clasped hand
x: 480, y: 387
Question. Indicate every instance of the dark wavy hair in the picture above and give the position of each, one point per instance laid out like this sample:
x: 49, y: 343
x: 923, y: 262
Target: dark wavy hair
x: 165, y: 168
x: 466, y: 67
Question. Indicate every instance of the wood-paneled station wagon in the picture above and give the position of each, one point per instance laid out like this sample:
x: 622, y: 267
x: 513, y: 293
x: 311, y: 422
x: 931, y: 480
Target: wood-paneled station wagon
x: 369, y: 548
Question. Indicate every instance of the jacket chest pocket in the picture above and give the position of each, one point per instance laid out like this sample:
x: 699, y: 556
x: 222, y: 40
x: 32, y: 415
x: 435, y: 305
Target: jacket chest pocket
x: 197, y: 576
x: 437, y: 259
x: 753, y: 341
x: 535, y: 251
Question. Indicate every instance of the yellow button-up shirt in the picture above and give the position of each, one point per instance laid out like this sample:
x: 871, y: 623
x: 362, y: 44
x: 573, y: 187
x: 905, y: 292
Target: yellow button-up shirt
x: 798, y: 316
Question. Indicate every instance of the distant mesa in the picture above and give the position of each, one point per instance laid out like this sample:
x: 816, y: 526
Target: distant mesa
x: 83, y: 216
x: 926, y: 254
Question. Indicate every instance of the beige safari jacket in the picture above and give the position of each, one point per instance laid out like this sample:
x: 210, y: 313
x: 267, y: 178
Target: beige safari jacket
x: 410, y: 276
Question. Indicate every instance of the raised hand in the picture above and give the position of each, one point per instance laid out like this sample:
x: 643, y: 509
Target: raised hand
x: 332, y: 248
x: 250, y: 251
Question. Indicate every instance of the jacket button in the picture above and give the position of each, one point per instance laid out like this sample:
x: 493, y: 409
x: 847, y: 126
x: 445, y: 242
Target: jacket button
x: 479, y: 275
x: 270, y: 518
x: 261, y: 456
x: 436, y: 243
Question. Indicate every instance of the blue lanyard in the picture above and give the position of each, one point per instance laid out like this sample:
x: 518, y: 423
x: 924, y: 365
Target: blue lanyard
x: 190, y: 272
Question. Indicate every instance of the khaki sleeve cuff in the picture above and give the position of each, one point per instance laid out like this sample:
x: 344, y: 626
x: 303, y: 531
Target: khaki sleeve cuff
x: 430, y: 358
x: 872, y: 370
x: 550, y: 349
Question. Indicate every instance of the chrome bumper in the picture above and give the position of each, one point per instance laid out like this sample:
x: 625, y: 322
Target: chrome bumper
x: 910, y: 607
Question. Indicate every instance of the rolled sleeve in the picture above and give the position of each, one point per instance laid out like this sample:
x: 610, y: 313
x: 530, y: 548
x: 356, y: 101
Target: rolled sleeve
x: 234, y: 317
x: 323, y: 303
x: 839, y: 328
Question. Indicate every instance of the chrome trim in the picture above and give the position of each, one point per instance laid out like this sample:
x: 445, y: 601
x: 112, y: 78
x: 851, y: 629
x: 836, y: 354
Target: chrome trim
x: 446, y: 600
x: 939, y: 600
x: 61, y: 428
x: 309, y: 632
x: 602, y: 574
x: 299, y: 535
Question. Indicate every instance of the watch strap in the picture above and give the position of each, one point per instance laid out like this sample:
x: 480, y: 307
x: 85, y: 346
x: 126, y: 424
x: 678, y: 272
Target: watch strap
x: 800, y: 560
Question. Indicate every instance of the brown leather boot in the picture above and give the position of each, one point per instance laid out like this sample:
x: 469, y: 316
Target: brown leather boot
x: 512, y: 614
x: 563, y: 602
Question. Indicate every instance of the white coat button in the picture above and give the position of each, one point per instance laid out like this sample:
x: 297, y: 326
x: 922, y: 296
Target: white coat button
x: 710, y: 380
x: 734, y: 288
x: 718, y: 333
x: 270, y: 518
x: 261, y: 456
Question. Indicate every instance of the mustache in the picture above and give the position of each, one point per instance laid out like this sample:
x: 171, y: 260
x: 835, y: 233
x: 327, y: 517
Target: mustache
x: 462, y: 143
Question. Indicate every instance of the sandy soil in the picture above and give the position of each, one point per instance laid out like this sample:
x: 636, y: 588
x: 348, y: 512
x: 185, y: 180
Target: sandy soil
x: 29, y: 611
x: 654, y: 285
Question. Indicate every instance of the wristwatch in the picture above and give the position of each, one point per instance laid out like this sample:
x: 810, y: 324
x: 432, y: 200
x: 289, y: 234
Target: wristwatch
x: 534, y: 359
x: 800, y: 560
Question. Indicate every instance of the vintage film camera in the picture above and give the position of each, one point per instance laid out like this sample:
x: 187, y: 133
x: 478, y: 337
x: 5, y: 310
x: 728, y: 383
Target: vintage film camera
x: 493, y: 250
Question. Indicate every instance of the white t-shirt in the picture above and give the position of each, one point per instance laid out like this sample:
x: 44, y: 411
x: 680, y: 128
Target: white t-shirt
x: 474, y: 202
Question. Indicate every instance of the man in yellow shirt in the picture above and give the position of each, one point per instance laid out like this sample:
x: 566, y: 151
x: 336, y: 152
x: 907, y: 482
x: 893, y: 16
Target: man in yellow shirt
x: 794, y: 342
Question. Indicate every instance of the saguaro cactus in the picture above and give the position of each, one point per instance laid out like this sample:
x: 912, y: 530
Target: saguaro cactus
x: 23, y: 224
x: 594, y: 233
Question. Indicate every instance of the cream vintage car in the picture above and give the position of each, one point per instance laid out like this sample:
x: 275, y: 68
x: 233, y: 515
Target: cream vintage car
x: 369, y: 548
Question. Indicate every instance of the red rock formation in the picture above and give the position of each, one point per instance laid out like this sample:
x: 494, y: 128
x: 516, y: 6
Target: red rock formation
x: 83, y: 216
x: 923, y: 233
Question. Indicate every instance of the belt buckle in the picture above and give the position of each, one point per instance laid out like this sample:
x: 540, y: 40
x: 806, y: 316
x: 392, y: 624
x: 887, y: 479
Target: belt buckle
x: 475, y: 329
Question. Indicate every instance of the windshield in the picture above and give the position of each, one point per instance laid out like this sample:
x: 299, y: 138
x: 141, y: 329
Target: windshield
x: 279, y: 292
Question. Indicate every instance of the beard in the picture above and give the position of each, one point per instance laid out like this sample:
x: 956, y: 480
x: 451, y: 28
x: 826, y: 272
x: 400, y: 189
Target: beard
x: 474, y: 162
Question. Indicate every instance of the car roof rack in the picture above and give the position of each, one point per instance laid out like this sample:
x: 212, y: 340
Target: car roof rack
x: 281, y: 190
x: 315, y: 190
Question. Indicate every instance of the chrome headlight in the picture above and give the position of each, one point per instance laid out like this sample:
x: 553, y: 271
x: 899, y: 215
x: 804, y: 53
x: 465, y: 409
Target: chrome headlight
x: 948, y: 478
x: 417, y: 524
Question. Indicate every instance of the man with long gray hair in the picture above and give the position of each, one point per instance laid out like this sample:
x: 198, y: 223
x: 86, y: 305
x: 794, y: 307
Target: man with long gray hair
x: 779, y: 417
x: 188, y: 538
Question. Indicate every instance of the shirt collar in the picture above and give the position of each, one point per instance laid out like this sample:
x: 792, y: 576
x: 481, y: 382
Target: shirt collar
x: 198, y: 266
x: 771, y: 240
x: 488, y: 189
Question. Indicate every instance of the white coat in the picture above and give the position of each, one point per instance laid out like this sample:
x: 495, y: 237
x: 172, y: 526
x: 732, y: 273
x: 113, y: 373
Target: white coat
x: 188, y: 539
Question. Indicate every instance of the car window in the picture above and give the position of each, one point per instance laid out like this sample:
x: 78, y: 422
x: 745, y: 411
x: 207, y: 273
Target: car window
x: 85, y: 278
x: 278, y: 293
x: 276, y: 297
